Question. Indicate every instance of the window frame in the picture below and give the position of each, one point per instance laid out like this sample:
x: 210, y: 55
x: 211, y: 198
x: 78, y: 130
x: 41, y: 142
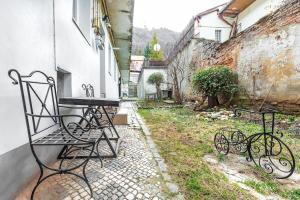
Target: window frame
x: 75, y: 19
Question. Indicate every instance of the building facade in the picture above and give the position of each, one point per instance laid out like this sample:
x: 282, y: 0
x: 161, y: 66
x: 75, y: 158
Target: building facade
x: 264, y: 52
x: 146, y: 90
x: 135, y: 70
x: 208, y: 25
x: 74, y: 41
x: 243, y: 14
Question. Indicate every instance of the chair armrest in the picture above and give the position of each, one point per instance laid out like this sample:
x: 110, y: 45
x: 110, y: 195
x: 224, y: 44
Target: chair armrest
x: 67, y: 126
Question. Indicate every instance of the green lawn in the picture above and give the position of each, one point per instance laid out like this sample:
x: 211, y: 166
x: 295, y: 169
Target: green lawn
x: 184, y: 138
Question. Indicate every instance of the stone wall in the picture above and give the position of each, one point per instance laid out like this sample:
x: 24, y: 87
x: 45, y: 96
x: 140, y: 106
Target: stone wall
x: 266, y: 57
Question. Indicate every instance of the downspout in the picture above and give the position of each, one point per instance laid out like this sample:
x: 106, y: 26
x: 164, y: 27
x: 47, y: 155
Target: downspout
x: 54, y: 36
x: 224, y: 20
x: 104, y: 7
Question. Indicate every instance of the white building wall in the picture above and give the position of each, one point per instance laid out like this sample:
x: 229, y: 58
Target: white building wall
x: 27, y: 40
x: 208, y: 24
x: 184, y: 58
x: 27, y: 44
x: 140, y: 87
x: 257, y: 10
x: 73, y: 53
x: 111, y: 81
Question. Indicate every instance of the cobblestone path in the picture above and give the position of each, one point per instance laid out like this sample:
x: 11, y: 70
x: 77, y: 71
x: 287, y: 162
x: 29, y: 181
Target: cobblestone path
x: 132, y: 175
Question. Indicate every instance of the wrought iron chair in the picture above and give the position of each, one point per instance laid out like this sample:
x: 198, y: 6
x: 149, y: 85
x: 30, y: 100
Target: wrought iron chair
x: 47, y: 127
x: 100, y: 112
x: 89, y: 90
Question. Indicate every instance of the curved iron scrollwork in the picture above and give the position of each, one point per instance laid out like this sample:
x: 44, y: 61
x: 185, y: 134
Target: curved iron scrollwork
x: 230, y: 139
x: 221, y: 143
x: 89, y: 90
x: 271, y: 154
x: 266, y: 150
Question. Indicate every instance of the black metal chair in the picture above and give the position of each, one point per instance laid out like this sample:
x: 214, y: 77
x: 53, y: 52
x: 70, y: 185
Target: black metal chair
x: 89, y: 90
x: 47, y: 127
x: 101, y: 113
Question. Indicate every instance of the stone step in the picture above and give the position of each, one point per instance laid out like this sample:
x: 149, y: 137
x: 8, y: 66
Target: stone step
x: 121, y: 117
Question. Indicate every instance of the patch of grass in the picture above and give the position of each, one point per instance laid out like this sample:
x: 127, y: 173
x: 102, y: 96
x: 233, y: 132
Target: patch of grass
x: 293, y: 194
x: 269, y: 187
x: 291, y: 118
x: 179, y: 130
x: 221, y: 157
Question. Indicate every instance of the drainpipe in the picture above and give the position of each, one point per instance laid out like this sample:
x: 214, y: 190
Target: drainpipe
x: 224, y: 20
x: 54, y: 36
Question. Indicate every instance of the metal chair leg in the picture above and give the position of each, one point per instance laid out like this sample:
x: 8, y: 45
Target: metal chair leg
x: 60, y: 171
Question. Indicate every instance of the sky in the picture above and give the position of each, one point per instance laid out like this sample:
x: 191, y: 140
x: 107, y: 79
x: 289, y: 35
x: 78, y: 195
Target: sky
x: 171, y: 14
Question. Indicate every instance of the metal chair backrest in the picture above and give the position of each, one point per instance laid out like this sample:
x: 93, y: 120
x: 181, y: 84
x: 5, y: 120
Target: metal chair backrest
x: 39, y: 100
x: 89, y: 90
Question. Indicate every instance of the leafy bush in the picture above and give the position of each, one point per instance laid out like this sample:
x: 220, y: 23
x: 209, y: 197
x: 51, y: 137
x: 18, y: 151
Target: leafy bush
x: 215, y: 80
x: 156, y: 78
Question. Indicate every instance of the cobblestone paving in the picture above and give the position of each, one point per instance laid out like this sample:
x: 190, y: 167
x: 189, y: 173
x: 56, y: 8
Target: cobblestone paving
x: 133, y: 175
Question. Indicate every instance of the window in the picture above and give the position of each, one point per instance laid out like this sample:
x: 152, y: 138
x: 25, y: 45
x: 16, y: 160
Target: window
x: 218, y: 35
x: 82, y: 17
x: 239, y: 27
x: 64, y: 83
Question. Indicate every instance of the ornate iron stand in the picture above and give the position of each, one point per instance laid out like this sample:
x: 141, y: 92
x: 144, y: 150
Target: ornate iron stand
x: 265, y: 149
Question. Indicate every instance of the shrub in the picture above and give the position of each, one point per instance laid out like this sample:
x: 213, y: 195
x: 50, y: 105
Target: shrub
x: 214, y: 81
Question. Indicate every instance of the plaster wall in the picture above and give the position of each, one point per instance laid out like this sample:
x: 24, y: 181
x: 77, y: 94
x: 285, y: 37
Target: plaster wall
x: 257, y: 10
x: 184, y: 58
x: 271, y: 63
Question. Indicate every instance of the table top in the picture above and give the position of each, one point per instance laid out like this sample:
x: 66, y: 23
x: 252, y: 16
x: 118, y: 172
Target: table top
x: 89, y: 101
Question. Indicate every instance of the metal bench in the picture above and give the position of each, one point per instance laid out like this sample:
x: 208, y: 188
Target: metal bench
x: 47, y: 127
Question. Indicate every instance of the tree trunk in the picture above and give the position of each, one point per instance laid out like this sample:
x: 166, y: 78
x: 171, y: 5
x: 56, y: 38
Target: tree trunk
x: 212, y: 101
x: 177, y: 94
x: 158, y: 92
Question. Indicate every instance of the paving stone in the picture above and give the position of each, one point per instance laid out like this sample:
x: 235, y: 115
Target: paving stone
x: 172, y: 187
x: 130, y: 196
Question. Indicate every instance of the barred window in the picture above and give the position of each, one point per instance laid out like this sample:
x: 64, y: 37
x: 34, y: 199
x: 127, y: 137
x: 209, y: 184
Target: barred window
x: 218, y: 35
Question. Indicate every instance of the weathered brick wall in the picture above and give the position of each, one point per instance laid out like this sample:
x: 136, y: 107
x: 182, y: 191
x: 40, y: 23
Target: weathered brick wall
x: 266, y: 57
